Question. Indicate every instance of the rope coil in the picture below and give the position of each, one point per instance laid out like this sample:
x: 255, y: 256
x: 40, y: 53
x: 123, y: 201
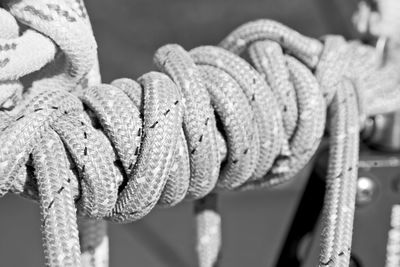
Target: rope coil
x: 208, y: 121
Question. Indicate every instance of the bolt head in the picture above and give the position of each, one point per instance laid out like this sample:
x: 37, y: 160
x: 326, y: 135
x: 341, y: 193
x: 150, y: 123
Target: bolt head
x: 366, y: 190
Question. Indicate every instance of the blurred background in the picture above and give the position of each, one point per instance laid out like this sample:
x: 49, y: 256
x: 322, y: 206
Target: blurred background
x: 128, y: 32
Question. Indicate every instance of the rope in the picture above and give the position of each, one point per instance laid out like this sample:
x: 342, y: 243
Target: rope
x: 379, y: 18
x: 208, y: 121
x: 65, y: 55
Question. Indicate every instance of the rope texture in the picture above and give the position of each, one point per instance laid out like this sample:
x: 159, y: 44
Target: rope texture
x: 208, y: 121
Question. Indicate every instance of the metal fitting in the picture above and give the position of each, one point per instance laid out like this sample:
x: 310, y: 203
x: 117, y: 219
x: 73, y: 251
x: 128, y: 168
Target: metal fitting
x: 366, y: 190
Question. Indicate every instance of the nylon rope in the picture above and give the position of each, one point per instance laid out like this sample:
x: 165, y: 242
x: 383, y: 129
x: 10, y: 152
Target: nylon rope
x: 206, y: 122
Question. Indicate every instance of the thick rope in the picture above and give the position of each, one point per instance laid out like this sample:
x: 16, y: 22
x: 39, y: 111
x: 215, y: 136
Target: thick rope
x: 64, y: 56
x: 208, y: 121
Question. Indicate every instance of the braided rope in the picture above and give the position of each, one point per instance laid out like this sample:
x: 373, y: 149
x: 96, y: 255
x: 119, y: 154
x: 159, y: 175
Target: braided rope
x: 208, y: 121
x: 59, y: 33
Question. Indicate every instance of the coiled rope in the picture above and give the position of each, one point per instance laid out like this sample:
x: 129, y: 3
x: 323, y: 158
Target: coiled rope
x: 207, y: 122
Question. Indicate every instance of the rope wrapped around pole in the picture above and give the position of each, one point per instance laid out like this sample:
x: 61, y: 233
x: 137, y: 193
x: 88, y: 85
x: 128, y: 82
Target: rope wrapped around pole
x: 206, y: 122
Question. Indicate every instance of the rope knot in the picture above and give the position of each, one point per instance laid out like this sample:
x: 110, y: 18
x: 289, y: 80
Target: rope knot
x: 207, y: 121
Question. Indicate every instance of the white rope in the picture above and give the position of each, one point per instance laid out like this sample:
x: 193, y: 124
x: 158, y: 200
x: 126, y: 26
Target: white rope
x: 384, y: 21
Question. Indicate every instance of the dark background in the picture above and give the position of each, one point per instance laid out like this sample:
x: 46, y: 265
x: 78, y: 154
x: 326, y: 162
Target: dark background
x: 128, y: 32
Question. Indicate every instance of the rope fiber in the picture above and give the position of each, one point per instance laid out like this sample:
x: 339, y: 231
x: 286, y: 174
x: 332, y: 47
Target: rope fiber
x: 205, y: 122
